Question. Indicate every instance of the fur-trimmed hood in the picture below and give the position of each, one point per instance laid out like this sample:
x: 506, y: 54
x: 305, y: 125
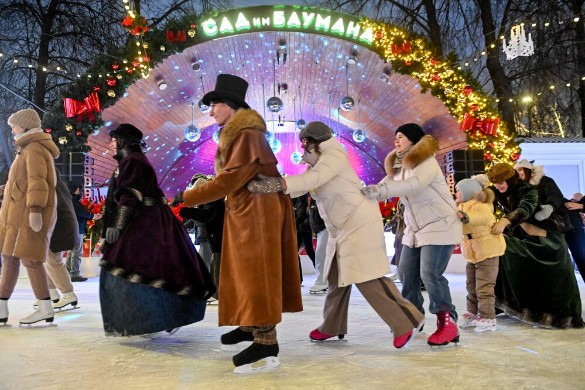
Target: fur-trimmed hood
x: 423, y: 149
x: 537, y: 174
x: 241, y: 120
x: 485, y: 196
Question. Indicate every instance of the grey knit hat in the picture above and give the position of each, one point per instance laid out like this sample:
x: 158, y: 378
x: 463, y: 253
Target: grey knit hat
x: 316, y: 130
x: 27, y: 119
x: 468, y: 188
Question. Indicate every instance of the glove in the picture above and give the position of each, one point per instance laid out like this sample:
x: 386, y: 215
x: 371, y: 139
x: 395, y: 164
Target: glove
x: 376, y: 191
x: 266, y: 184
x: 35, y: 221
x: 500, y: 226
x: 177, y: 199
x: 112, y: 235
x: 545, y: 212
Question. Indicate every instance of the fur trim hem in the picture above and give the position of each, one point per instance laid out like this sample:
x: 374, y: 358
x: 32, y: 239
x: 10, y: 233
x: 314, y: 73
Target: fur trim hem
x: 545, y: 320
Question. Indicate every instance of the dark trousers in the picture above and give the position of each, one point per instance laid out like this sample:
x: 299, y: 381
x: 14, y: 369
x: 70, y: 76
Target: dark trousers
x: 576, y: 242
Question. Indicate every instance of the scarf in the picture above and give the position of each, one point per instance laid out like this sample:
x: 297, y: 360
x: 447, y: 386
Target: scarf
x: 400, y: 156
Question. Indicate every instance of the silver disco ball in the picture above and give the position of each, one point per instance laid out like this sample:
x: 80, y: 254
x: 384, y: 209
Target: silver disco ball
x: 347, y: 103
x: 192, y: 133
x: 204, y: 108
x: 301, y: 124
x: 359, y: 135
x: 296, y: 158
x: 274, y: 104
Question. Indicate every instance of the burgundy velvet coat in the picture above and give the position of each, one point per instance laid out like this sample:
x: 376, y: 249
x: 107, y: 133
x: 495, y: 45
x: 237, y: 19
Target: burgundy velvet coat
x: 259, y: 274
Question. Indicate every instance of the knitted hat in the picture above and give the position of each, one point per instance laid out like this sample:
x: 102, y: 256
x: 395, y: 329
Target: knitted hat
x: 524, y: 164
x: 27, y: 119
x: 316, y: 130
x: 471, y: 186
x: 127, y: 131
x: 412, y: 131
x: 501, y: 172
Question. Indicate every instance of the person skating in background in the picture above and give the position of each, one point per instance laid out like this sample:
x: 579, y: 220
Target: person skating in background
x: 319, y: 229
x: 73, y: 262
x: 432, y: 226
x: 210, y: 216
x: 356, y: 251
x: 304, y: 232
x: 576, y: 237
x: 536, y: 282
x: 259, y: 275
x: 481, y: 249
x: 152, y: 278
x: 28, y: 213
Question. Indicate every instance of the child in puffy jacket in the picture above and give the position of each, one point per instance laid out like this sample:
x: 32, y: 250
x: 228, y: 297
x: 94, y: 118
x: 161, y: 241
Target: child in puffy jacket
x: 481, y: 249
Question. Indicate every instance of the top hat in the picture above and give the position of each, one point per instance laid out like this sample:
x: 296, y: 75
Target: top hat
x: 228, y: 87
x: 127, y: 131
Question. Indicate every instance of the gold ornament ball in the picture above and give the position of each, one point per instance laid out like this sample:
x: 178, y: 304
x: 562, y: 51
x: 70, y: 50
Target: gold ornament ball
x: 68, y: 127
x: 111, y: 93
x: 63, y: 140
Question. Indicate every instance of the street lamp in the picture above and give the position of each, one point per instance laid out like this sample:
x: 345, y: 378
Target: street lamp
x: 527, y: 101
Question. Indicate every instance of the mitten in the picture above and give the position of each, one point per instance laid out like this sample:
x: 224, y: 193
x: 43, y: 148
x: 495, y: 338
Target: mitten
x: 376, y: 191
x: 112, y: 235
x: 500, y: 226
x: 266, y: 185
x: 35, y: 221
x: 545, y: 212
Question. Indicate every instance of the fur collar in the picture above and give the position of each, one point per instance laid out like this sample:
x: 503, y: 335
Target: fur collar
x: 537, y: 174
x: 422, y: 150
x: 485, y: 196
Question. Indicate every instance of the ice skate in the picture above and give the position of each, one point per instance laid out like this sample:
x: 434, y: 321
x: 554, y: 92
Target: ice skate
x: 468, y: 320
x: 317, y: 336
x: 485, y: 325
x: 236, y: 340
x: 446, y: 332
x: 67, y: 299
x: 3, y: 311
x: 257, y: 358
x: 53, y: 294
x: 318, y: 289
x: 44, y: 312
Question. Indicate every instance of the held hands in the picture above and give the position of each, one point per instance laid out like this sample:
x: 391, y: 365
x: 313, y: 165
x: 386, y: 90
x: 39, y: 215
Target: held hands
x: 545, y: 212
x: 35, y: 221
x: 500, y: 226
x: 112, y: 235
x: 375, y: 191
x: 266, y: 184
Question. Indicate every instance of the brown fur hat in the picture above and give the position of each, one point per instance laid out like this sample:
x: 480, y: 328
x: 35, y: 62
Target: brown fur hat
x: 501, y: 172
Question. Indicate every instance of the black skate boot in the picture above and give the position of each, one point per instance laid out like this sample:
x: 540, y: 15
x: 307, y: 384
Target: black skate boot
x: 256, y: 358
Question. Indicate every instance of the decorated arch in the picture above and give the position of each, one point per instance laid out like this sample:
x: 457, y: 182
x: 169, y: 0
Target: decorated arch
x: 364, y: 78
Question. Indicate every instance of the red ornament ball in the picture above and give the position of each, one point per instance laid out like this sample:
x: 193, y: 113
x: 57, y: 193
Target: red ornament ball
x: 474, y: 106
x: 48, y: 130
x: 379, y: 34
x: 436, y: 77
x: 467, y: 90
x: 96, y: 88
x: 408, y: 63
x: 111, y: 82
x: 78, y: 133
x: 115, y: 66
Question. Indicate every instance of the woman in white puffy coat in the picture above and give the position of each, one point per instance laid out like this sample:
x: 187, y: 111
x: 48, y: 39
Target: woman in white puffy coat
x: 432, y: 226
x: 356, y: 251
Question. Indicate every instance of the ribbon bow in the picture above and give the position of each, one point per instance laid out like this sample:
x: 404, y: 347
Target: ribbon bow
x: 89, y: 105
x: 488, y: 126
x: 180, y: 36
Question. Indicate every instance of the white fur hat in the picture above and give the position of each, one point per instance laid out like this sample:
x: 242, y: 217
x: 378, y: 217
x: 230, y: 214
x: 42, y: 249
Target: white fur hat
x: 524, y: 164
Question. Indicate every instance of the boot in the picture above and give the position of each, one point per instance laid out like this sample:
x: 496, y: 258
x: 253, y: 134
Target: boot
x: 53, y: 293
x: 67, y: 299
x: 236, y: 339
x: 3, y: 311
x: 446, y: 332
x: 44, y: 312
x: 256, y: 358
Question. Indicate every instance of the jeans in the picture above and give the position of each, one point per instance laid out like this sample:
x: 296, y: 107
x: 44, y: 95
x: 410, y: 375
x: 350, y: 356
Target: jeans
x: 73, y: 262
x: 427, y: 263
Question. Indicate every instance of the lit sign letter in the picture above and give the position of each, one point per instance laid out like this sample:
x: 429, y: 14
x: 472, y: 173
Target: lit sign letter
x: 308, y: 19
x: 256, y: 22
x: 279, y: 20
x: 226, y: 26
x: 338, y: 27
x: 210, y: 27
x: 242, y: 23
x: 294, y: 21
x: 266, y: 21
x: 367, y: 36
x: 353, y: 30
x: 322, y: 23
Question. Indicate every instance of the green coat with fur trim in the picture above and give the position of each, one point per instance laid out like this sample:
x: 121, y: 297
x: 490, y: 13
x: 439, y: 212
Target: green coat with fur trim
x: 259, y: 274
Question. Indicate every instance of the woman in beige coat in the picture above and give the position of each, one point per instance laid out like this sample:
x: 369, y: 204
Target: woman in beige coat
x: 28, y: 213
x: 356, y: 252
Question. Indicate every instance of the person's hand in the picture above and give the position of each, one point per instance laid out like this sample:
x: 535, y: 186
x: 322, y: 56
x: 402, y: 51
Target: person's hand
x: 35, y: 221
x: 97, y: 216
x: 371, y: 192
x: 545, y: 212
x: 500, y: 226
x: 574, y: 206
x: 112, y: 235
x: 177, y: 199
x: 266, y: 184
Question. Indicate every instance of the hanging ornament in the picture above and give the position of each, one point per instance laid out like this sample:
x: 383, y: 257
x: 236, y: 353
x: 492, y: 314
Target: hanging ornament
x: 274, y: 104
x: 436, y: 77
x: 111, y: 93
x: 192, y: 132
x: 191, y: 32
x: 407, y: 63
x: 301, y: 124
x: 379, y: 34
x: 115, y: 66
x: 63, y: 140
x: 467, y: 90
x: 119, y: 76
x: 204, y: 108
x: 215, y: 136
x: 68, y: 127
x: 359, y: 136
x: 48, y: 130
x: 96, y: 88
x: 78, y: 133
x: 518, y: 44
x: 347, y: 103
x: 275, y: 145
x: 95, y: 131
x: 296, y: 158
x: 474, y: 106
x: 269, y: 136
x: 111, y: 81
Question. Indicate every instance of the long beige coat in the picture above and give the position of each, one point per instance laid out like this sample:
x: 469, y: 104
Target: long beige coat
x: 30, y: 188
x: 259, y: 274
x: 354, y: 223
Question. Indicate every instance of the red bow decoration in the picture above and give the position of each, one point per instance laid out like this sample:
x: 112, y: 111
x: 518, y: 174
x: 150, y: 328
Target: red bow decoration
x: 75, y: 108
x: 181, y: 36
x: 405, y: 48
x: 488, y: 126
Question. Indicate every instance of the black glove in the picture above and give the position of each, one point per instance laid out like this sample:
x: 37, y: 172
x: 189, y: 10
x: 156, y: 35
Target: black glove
x: 177, y: 199
x: 112, y: 235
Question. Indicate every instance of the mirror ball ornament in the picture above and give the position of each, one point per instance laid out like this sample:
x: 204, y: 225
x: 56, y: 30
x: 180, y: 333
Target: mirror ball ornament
x: 215, y: 136
x: 274, y: 104
x: 301, y: 124
x: 270, y: 136
x: 275, y: 145
x: 359, y: 135
x: 296, y: 158
x: 192, y: 133
x: 204, y: 108
x: 347, y: 103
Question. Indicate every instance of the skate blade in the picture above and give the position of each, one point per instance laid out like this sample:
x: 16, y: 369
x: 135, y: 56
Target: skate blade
x: 235, y: 347
x: 65, y: 308
x: 270, y: 363
x: 318, y: 292
x: 36, y: 325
